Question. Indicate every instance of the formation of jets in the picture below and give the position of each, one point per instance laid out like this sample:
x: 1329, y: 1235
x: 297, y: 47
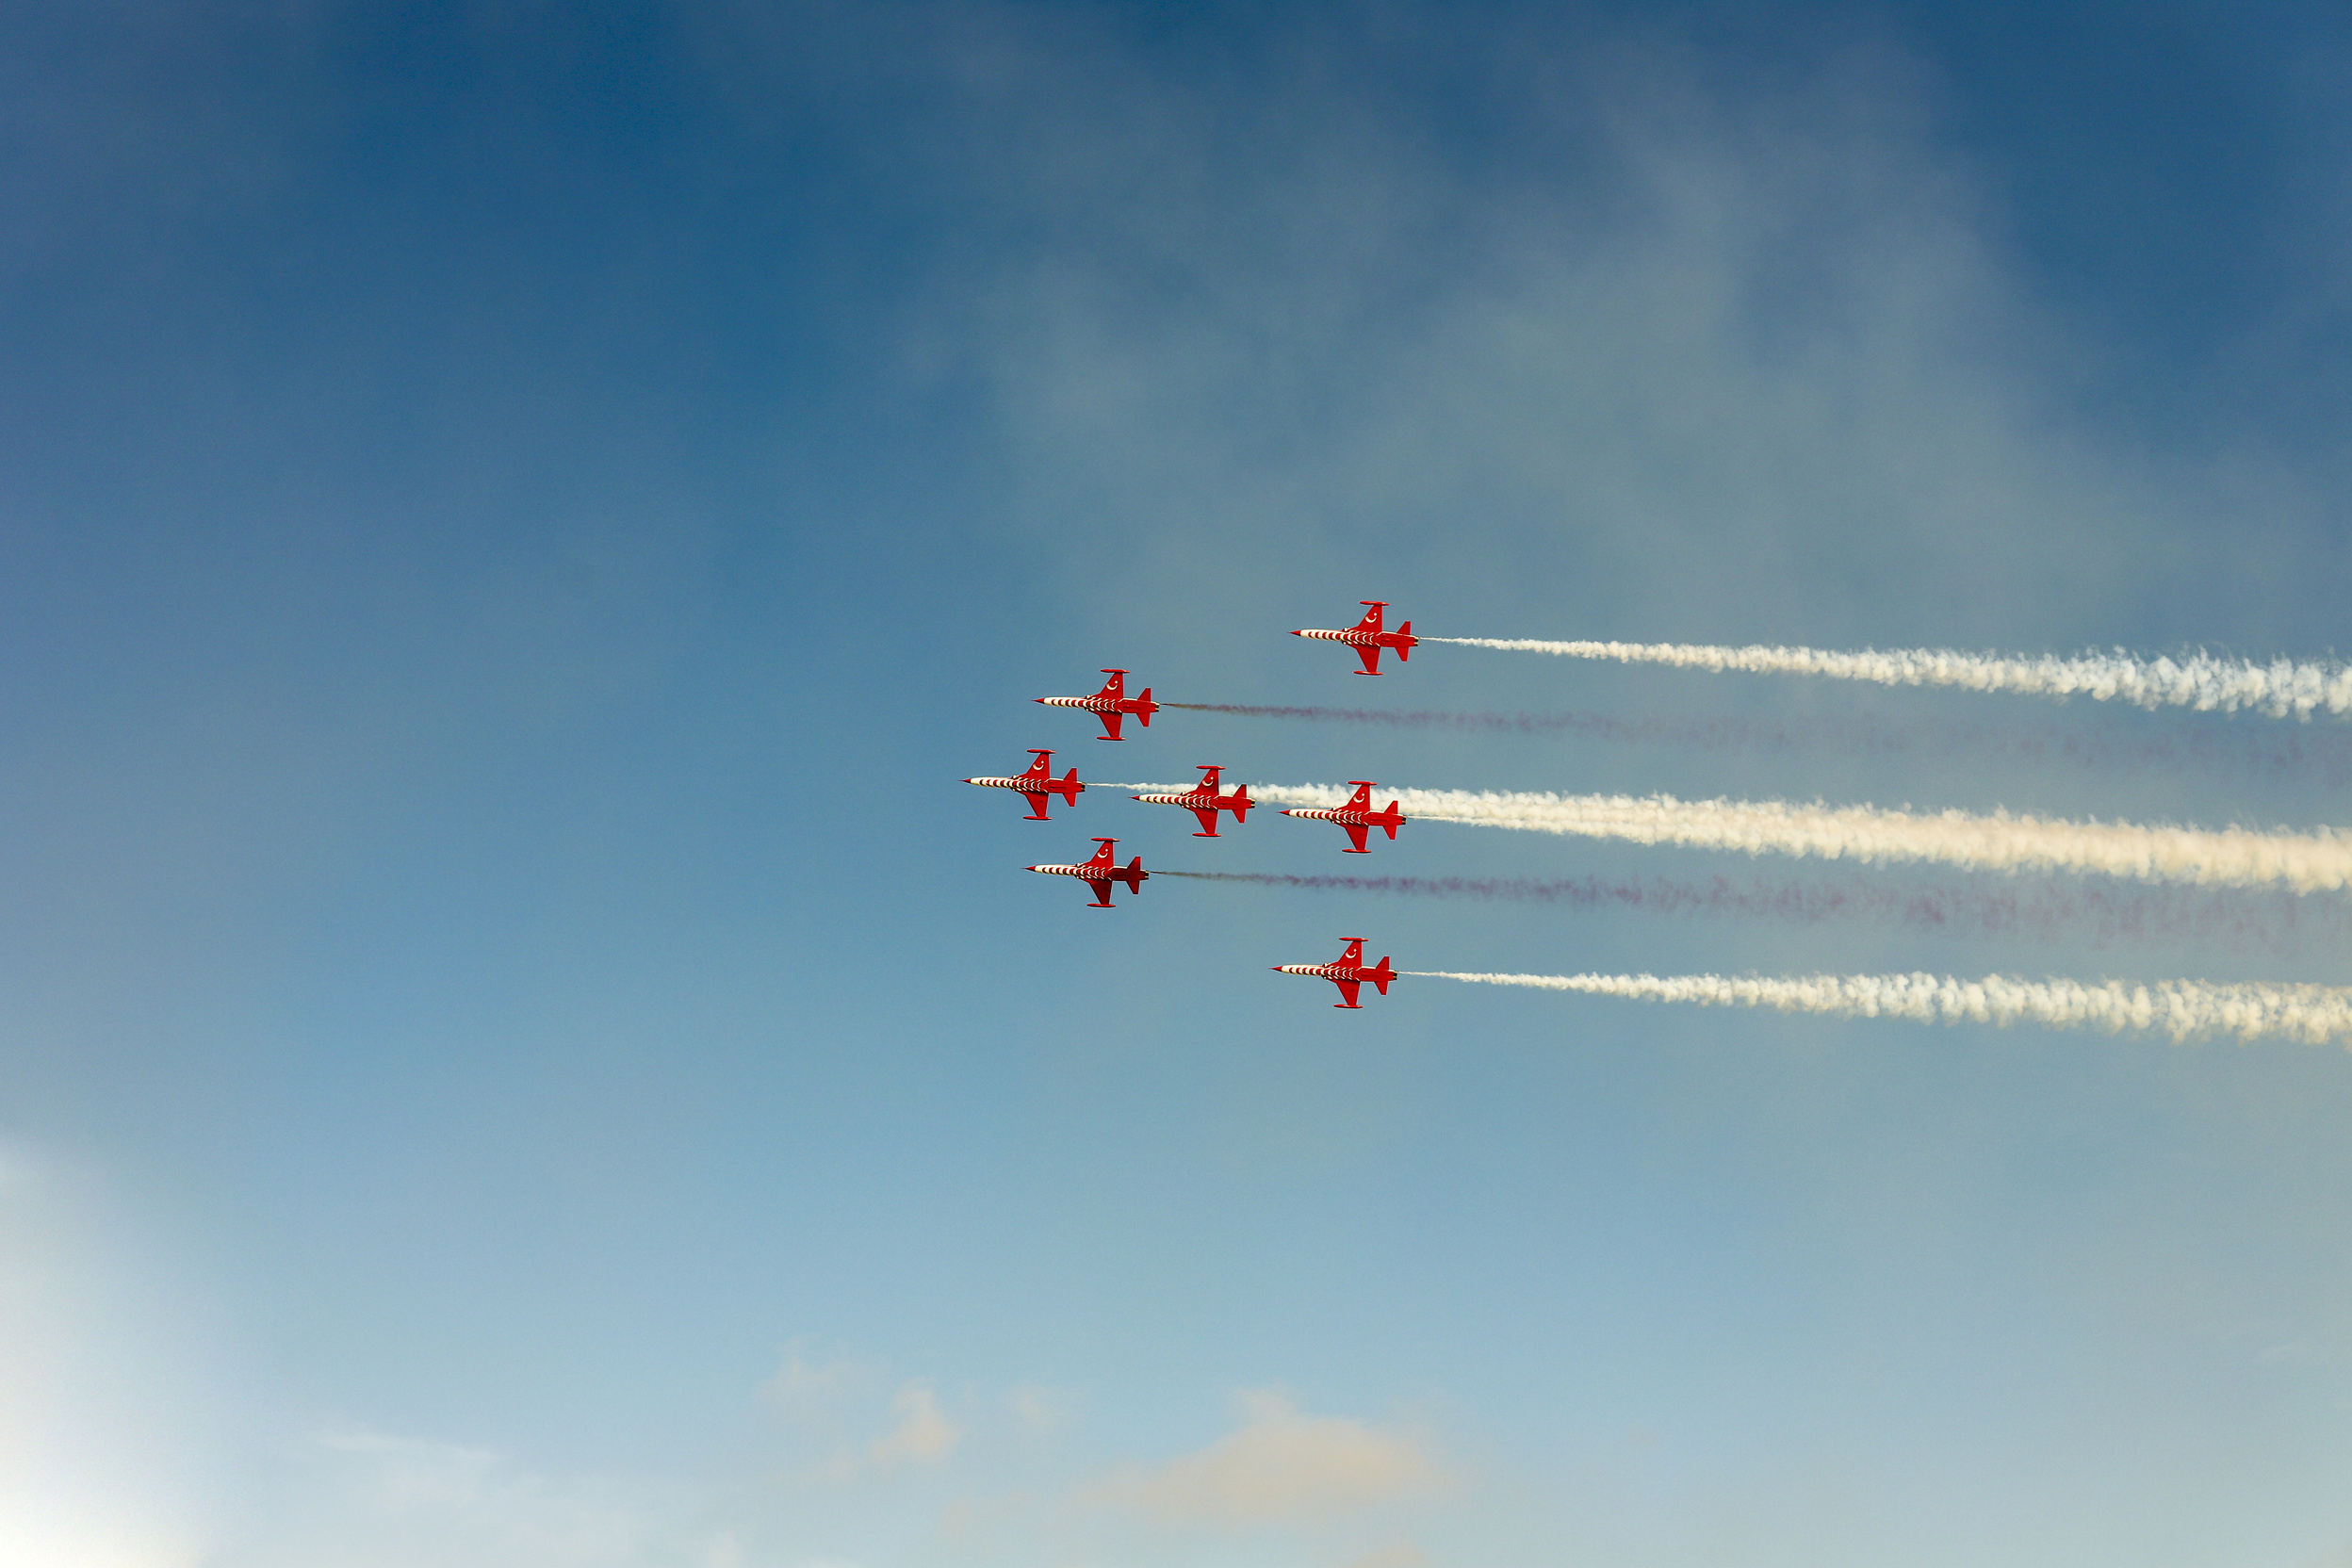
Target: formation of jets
x: 1357, y: 817
x: 1102, y: 872
x: 1347, y: 972
x: 1367, y: 638
x: 1039, y: 785
x: 1204, y: 801
x: 1111, y: 704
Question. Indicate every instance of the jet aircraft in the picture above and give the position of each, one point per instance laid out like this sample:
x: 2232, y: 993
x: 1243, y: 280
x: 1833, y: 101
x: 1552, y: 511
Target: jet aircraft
x: 1367, y: 638
x: 1348, y: 973
x: 1204, y: 801
x: 1357, y: 817
x: 1111, y: 704
x: 1039, y: 785
x: 1100, y: 871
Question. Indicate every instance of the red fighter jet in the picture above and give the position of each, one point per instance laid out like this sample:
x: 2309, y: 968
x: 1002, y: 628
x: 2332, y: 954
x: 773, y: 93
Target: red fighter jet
x: 1357, y: 817
x: 1348, y: 973
x: 1039, y: 785
x: 1100, y: 871
x: 1367, y: 638
x: 1204, y: 801
x: 1111, y: 704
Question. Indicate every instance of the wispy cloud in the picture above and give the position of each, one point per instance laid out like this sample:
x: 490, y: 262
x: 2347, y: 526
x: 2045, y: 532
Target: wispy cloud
x: 1035, y: 1408
x: 805, y: 1383
x: 1281, y: 1466
x: 923, y: 1435
x: 1400, y: 1553
x: 379, y: 1497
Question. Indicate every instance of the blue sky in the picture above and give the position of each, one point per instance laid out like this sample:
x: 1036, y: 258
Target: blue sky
x: 516, y: 1050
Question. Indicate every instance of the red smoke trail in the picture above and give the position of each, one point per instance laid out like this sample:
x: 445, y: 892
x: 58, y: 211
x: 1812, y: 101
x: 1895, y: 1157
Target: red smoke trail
x: 2276, y: 751
x: 2097, y: 914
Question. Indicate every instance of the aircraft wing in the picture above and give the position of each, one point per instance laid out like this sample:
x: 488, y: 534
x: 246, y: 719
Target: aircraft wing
x: 1110, y: 724
x: 1357, y: 832
x: 1037, y: 799
x: 1370, y: 654
x: 1102, y: 886
x: 1349, y: 988
x: 1208, y: 819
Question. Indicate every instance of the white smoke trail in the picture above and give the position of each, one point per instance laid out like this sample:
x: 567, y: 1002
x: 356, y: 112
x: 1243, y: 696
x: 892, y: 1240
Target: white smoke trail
x: 2282, y: 687
x: 2319, y: 860
x: 2181, y: 1008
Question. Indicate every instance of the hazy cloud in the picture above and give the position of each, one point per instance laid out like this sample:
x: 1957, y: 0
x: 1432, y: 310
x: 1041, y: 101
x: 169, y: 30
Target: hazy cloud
x: 923, y: 1435
x: 1279, y: 1465
x: 375, y: 1498
x: 804, y: 1383
x: 1401, y: 1554
x: 1038, y: 1408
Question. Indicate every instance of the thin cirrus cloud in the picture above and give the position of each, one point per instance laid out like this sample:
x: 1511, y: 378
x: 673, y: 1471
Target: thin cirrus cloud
x: 1281, y: 1466
x: 804, y: 1384
x: 924, y: 1435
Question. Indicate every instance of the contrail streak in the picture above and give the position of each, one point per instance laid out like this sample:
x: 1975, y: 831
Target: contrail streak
x: 2095, y: 913
x: 2279, y: 750
x: 2314, y: 861
x: 2181, y: 1008
x: 2282, y: 687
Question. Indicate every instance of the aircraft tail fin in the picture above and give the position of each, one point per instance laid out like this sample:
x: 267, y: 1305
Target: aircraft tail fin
x: 1068, y: 788
x: 1144, y: 712
x: 1242, y: 804
x: 1380, y: 974
x: 1404, y: 650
